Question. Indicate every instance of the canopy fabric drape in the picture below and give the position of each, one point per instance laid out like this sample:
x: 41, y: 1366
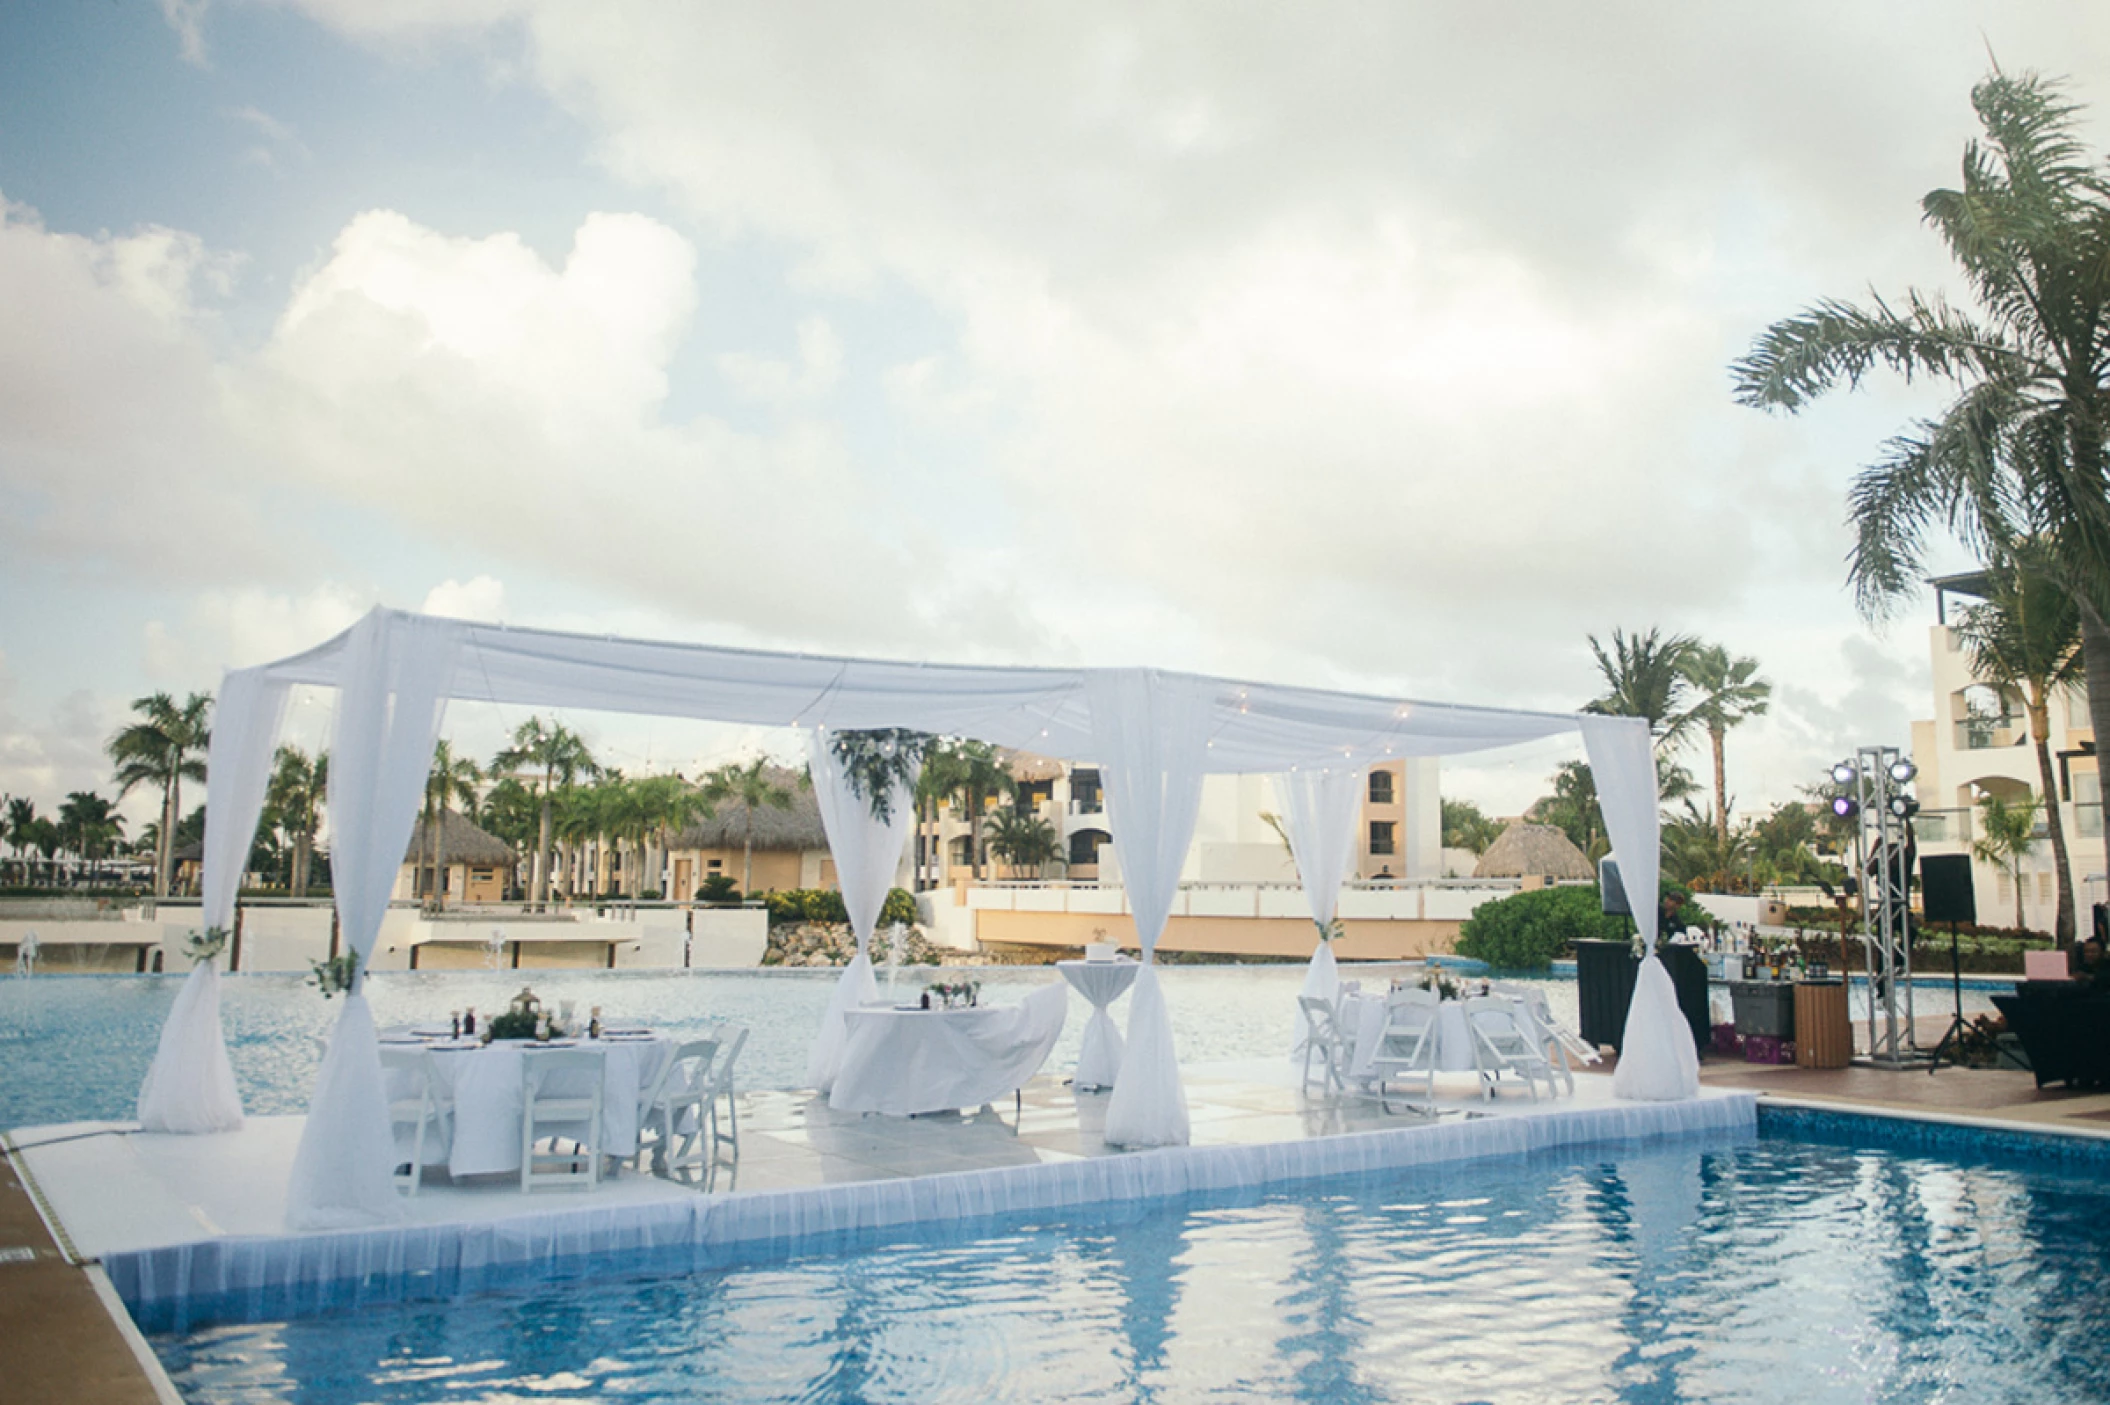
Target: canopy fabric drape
x: 1657, y: 1061
x: 1150, y: 735
x: 190, y: 1087
x: 1153, y: 733
x: 867, y: 853
x: 388, y: 720
x: 1321, y: 806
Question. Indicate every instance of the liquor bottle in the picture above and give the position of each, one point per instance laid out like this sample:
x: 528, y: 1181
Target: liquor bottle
x: 593, y: 1024
x: 542, y: 1026
x: 469, y: 1020
x: 454, y: 1017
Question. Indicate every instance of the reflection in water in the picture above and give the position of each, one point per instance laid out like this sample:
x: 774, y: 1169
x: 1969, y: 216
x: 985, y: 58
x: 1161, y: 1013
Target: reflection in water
x: 1754, y: 1270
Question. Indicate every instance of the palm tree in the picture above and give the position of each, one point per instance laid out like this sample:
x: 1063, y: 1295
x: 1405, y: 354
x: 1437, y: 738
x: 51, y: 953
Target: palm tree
x: 21, y: 822
x: 563, y: 758
x: 90, y: 822
x: 1023, y: 839
x: 972, y: 774
x: 47, y: 839
x: 1726, y: 692
x: 451, y: 778
x: 294, y: 803
x: 669, y: 803
x: 1644, y: 676
x: 2026, y: 639
x: 2021, y: 451
x: 2006, y: 836
x: 752, y: 785
x: 1466, y: 826
x: 1572, y: 808
x: 941, y: 777
x: 164, y: 748
x: 1700, y: 852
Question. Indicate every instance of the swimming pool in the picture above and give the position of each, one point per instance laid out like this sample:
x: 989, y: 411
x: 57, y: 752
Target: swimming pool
x: 74, y: 1048
x: 1809, y: 1263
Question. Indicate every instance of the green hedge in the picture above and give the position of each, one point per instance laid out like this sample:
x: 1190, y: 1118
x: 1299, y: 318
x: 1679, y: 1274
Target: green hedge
x: 826, y: 905
x: 1527, y: 931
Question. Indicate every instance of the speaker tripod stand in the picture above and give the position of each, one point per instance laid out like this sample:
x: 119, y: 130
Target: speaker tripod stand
x: 1957, y: 1028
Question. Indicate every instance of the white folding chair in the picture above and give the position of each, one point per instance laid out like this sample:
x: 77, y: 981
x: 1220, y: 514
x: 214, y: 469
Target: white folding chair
x: 1408, y: 1047
x: 675, y: 1117
x: 731, y: 1040
x: 1322, y: 1036
x: 1555, y: 1040
x: 414, y: 1100
x: 560, y: 1098
x: 1505, y: 1042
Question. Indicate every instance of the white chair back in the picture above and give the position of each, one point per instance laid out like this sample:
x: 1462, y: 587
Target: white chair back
x: 561, y: 1098
x: 731, y: 1040
x: 674, y: 1117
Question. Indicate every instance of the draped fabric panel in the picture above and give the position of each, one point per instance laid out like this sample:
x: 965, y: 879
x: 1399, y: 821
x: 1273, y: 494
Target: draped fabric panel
x: 398, y: 672
x: 1321, y: 805
x: 867, y: 855
x: 190, y: 1087
x: 1657, y: 1061
x: 1150, y: 733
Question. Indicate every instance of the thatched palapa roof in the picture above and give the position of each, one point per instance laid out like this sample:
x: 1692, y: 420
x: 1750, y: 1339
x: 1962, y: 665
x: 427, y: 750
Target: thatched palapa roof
x: 460, y: 842
x: 1533, y: 850
x: 798, y: 827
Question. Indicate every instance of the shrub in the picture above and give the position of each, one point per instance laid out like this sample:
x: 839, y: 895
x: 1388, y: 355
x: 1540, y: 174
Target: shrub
x: 826, y: 905
x: 718, y: 888
x: 1526, y: 931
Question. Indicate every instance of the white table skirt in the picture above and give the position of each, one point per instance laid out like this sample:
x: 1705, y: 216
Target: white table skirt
x: 903, y: 1062
x: 483, y: 1136
x: 1101, y: 983
x: 1363, y: 1019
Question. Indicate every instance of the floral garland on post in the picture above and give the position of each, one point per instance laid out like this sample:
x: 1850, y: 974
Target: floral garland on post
x: 1333, y: 931
x: 336, y: 976
x: 202, y: 947
x: 876, y: 760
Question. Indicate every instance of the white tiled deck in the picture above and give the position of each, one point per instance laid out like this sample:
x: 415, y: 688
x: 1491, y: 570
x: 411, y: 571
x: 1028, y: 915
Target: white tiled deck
x: 174, y: 1216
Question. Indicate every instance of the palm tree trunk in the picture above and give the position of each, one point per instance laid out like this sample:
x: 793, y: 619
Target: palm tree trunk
x: 542, y: 854
x: 165, y: 842
x: 2040, y: 734
x: 2095, y: 655
x: 1721, y: 790
x: 2015, y: 872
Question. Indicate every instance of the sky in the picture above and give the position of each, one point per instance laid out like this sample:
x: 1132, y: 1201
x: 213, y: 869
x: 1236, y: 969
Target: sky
x: 1378, y: 346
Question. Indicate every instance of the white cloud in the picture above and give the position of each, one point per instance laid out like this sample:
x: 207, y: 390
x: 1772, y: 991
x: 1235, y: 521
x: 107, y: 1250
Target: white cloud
x: 480, y: 598
x: 781, y: 383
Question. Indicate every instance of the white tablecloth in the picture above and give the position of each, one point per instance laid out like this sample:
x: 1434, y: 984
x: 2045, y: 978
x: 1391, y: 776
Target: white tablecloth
x: 1102, y: 983
x: 1363, y: 1020
x: 908, y: 1061
x: 485, y: 1084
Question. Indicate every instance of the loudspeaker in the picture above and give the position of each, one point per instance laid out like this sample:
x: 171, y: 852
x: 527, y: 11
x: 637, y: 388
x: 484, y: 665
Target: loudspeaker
x: 1945, y: 888
x: 1611, y: 893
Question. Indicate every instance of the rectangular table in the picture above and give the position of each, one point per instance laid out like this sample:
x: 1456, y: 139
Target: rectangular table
x: 484, y: 1083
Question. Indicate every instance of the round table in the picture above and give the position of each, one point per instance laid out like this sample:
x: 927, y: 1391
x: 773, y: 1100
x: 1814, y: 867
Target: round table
x: 1102, y: 983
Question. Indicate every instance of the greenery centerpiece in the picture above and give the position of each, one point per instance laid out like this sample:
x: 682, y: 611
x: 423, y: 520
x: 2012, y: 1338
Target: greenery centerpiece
x: 338, y: 975
x: 877, y: 760
x: 952, y: 993
x: 203, y: 946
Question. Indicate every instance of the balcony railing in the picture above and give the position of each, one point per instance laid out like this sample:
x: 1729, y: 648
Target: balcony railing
x: 1984, y: 733
x: 1942, y: 826
x: 2088, y: 819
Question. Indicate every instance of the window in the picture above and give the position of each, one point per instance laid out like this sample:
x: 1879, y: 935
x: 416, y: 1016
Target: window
x: 1381, y: 836
x: 714, y: 864
x: 1084, y: 790
x: 1084, y: 846
x: 2043, y: 887
x: 1380, y: 787
x: 2087, y: 804
x: 2007, y: 888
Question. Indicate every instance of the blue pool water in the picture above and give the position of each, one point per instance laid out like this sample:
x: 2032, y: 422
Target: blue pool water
x: 75, y: 1047
x: 1802, y: 1265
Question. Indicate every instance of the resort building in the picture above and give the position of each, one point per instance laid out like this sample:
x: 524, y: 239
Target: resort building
x: 474, y: 864
x: 1978, y: 744
x: 789, y: 847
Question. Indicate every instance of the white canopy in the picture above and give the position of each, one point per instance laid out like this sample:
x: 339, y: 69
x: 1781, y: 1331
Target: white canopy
x: 1153, y: 734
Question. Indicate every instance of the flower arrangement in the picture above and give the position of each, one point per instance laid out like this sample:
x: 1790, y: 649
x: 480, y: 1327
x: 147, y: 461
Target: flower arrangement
x: 951, y: 993
x: 336, y: 976
x: 1444, y: 986
x: 1332, y: 931
x: 204, y: 946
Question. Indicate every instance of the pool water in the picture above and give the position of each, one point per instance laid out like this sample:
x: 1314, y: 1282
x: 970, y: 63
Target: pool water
x: 74, y: 1048
x: 1767, y: 1268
